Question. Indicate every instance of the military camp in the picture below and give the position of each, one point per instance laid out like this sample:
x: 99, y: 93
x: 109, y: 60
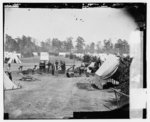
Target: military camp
x: 67, y: 63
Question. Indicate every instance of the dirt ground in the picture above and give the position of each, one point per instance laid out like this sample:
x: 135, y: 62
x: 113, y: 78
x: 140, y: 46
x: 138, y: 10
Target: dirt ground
x: 54, y: 97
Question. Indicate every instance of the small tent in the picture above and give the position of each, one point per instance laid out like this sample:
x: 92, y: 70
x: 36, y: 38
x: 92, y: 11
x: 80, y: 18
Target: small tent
x: 8, y: 84
x: 35, y: 54
x: 63, y: 54
x: 14, y: 59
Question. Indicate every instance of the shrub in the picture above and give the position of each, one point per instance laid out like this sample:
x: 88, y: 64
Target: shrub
x: 86, y: 58
x: 71, y: 56
x: 122, y: 74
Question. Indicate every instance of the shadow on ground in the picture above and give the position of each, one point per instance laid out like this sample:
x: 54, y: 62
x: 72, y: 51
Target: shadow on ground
x: 86, y: 86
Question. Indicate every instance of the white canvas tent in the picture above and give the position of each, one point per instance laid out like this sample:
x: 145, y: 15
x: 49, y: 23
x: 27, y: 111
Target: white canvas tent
x: 44, y: 56
x: 19, y: 55
x: 35, y: 53
x: 7, y: 54
x: 8, y: 84
x: 80, y: 55
x: 109, y: 67
x: 62, y: 54
x: 14, y: 59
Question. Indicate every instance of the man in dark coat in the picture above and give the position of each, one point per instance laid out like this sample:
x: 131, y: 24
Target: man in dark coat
x: 56, y: 63
x: 49, y: 65
x: 53, y: 69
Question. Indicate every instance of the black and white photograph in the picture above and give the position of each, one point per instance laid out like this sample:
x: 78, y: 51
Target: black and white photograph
x: 80, y: 60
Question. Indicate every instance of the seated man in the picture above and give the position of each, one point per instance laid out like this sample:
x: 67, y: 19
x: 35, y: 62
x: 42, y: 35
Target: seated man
x: 20, y: 68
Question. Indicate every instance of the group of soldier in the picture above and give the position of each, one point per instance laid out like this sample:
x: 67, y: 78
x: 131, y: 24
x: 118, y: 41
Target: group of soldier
x: 52, y: 67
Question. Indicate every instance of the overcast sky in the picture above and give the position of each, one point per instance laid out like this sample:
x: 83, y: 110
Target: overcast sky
x: 93, y: 24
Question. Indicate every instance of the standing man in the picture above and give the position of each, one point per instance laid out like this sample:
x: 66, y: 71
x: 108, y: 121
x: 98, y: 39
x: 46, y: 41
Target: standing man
x: 61, y: 65
x: 56, y: 63
x: 53, y: 69
x: 49, y: 65
x: 64, y: 66
x: 44, y: 66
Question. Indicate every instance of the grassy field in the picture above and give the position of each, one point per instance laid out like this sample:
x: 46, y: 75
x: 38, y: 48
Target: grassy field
x: 53, y: 96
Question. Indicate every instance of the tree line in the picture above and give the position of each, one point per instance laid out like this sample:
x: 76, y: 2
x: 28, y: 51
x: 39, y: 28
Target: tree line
x: 26, y: 45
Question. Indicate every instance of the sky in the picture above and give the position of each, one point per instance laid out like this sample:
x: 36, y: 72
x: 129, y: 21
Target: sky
x: 93, y: 24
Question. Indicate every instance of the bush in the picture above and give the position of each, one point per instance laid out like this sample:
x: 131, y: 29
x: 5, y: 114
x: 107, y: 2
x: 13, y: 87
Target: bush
x: 53, y: 53
x: 67, y: 55
x: 86, y: 58
x: 123, y: 74
x: 71, y: 56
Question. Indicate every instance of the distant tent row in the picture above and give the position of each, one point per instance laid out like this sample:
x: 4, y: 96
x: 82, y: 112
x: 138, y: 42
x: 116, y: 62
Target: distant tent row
x: 35, y: 54
x: 63, y: 54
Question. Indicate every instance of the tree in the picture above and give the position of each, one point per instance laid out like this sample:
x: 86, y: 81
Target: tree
x: 126, y: 47
x: 80, y: 44
x: 87, y: 48
x: 122, y: 46
x: 92, y: 47
x: 21, y: 44
x: 56, y: 44
x: 10, y: 44
x: 98, y: 47
x: 69, y: 44
x: 46, y: 46
x: 64, y: 46
x: 108, y: 46
x: 35, y: 43
x: 26, y: 46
